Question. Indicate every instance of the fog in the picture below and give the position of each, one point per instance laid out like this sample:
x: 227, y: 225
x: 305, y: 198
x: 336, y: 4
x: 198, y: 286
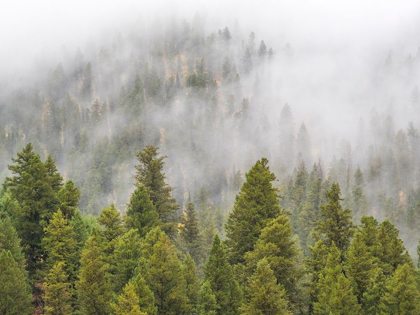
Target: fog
x: 347, y: 69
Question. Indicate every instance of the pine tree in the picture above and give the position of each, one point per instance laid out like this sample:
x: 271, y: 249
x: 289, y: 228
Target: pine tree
x: 218, y: 273
x: 128, y: 302
x: 68, y: 199
x: 60, y: 244
x: 126, y: 256
x: 162, y: 271
x: 145, y: 295
x: 402, y: 294
x: 14, y: 291
x: 191, y: 233
x: 9, y: 241
x: 371, y: 301
x: 256, y: 204
x: 264, y: 295
x: 141, y: 213
x: 149, y: 173
x: 336, y: 225
x: 31, y: 188
x: 277, y: 246
x: 54, y: 177
x: 111, y: 222
x: 57, y: 291
x: 361, y: 265
x: 335, y: 293
x: 93, y: 288
x: 206, y: 304
x: 191, y: 279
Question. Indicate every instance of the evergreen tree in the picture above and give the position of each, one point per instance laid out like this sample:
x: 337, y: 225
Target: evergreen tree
x: 402, y: 294
x: 149, y: 173
x: 54, y: 177
x: 336, y: 225
x: 128, y: 302
x: 191, y: 279
x: 256, y: 204
x: 9, y: 241
x: 68, y: 199
x: 93, y: 288
x: 277, y: 246
x: 264, y: 295
x: 207, y: 304
x: 60, y: 244
x: 145, y: 295
x: 14, y: 291
x: 31, y: 188
x: 191, y: 233
x: 371, y: 301
x: 162, y: 271
x: 335, y: 293
x: 218, y: 273
x: 111, y: 222
x: 141, y: 213
x: 57, y: 291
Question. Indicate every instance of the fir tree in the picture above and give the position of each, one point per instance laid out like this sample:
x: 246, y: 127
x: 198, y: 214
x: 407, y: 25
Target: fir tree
x: 371, y: 301
x: 93, y: 288
x: 54, y: 177
x: 57, y: 291
x: 336, y: 225
x: 149, y: 173
x: 14, y: 291
x: 191, y: 233
x: 141, y: 213
x: 218, y: 273
x: 128, y: 302
x: 9, y: 241
x: 68, y: 199
x: 111, y: 222
x: 264, y: 295
x: 145, y: 295
x: 191, y: 279
x: 256, y: 204
x: 207, y: 304
x: 335, y: 293
x: 402, y: 294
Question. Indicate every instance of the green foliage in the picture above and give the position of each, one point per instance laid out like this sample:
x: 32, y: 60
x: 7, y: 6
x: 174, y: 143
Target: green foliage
x: 335, y: 293
x: 402, y: 294
x: 141, y: 213
x: 336, y: 225
x: 145, y: 295
x: 371, y: 301
x: 57, y: 291
x: 149, y: 173
x: 68, y: 199
x: 256, y: 204
x: 264, y: 295
x: 60, y: 244
x: 14, y: 291
x: 193, y: 285
x: 93, y: 288
x: 207, y: 304
x: 190, y: 233
x: 128, y: 302
x: 9, y: 241
x: 218, y: 273
x: 112, y: 227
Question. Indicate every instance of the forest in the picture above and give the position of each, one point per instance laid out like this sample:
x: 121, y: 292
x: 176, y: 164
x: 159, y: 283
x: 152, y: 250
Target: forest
x: 164, y: 169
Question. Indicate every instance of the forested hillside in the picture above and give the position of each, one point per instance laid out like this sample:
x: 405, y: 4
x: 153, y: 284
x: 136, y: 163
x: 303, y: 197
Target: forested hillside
x: 162, y: 169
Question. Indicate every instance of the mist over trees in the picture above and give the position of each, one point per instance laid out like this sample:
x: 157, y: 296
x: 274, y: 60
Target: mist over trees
x: 188, y: 166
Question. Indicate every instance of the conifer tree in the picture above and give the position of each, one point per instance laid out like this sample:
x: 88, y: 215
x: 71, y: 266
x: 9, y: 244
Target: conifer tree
x: 57, y: 291
x: 264, y: 295
x: 277, y: 246
x: 335, y: 293
x: 361, y: 265
x: 161, y: 269
x: 141, y: 213
x: 371, y: 301
x: 9, y: 241
x: 218, y: 273
x: 207, y: 304
x: 191, y: 233
x: 191, y: 279
x: 68, y: 199
x: 54, y: 177
x: 128, y: 302
x: 145, y: 295
x: 336, y: 225
x: 93, y: 288
x: 111, y: 222
x: 126, y: 256
x: 256, y: 204
x: 402, y: 294
x: 14, y: 291
x: 60, y: 244
x: 149, y: 173
x: 31, y: 188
